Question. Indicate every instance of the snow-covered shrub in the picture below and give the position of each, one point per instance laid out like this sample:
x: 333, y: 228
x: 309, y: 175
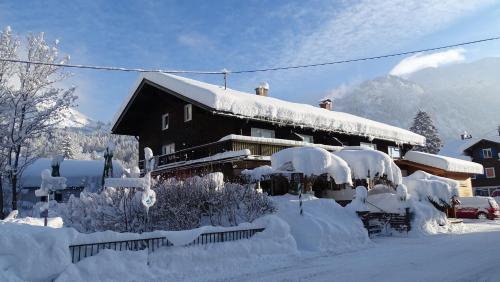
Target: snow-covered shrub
x: 179, y: 205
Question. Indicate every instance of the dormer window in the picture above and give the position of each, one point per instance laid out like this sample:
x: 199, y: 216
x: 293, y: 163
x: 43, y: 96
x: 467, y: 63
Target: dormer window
x: 188, y: 112
x: 487, y: 153
x: 164, y: 121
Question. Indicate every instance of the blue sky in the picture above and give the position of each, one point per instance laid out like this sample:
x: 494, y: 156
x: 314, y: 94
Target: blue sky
x: 212, y: 35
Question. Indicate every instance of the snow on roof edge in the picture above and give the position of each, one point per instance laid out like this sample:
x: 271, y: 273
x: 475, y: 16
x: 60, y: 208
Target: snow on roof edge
x: 443, y: 162
x: 271, y: 109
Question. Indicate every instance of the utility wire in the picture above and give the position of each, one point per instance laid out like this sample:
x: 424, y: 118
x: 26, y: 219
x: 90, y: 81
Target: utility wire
x: 225, y: 72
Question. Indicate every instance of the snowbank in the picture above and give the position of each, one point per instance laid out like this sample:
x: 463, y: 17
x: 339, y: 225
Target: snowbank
x: 368, y: 163
x: 324, y: 226
x: 248, y: 105
x: 445, y: 163
x: 32, y: 253
x: 312, y: 161
x: 54, y: 222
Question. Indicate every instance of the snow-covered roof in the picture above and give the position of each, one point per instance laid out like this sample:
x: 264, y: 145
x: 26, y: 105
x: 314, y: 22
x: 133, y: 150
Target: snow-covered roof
x: 248, y: 105
x: 445, y: 163
x: 77, y: 172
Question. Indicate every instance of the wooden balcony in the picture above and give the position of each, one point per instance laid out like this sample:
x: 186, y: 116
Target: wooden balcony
x: 256, y: 148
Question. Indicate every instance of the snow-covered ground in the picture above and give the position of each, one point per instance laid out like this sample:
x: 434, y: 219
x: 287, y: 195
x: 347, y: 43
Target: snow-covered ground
x: 468, y: 256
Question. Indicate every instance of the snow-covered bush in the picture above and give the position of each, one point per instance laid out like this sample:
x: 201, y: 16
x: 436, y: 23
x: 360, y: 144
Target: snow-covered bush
x: 179, y: 205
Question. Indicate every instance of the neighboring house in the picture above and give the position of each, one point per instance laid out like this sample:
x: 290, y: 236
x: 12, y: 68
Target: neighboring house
x: 195, y: 127
x: 457, y: 169
x: 79, y: 174
x: 485, y: 151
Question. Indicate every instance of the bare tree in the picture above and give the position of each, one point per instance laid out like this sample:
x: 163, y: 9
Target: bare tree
x: 32, y: 101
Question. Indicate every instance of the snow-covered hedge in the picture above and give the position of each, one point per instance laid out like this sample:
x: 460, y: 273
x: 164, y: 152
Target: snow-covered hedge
x: 179, y: 205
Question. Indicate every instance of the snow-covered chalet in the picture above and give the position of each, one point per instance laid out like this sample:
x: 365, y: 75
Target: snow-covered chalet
x: 195, y: 128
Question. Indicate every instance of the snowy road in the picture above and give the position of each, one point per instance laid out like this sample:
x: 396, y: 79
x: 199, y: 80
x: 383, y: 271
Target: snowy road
x: 472, y: 256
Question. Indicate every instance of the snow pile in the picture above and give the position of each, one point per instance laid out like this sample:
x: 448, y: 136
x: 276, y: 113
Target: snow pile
x: 370, y: 163
x: 324, y: 225
x: 248, y: 105
x: 312, y: 161
x: 445, y: 163
x: 258, y: 174
x: 423, y: 185
x: 54, y: 222
x: 32, y: 253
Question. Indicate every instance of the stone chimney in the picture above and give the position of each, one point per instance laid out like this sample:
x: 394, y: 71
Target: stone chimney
x: 263, y: 89
x: 326, y: 104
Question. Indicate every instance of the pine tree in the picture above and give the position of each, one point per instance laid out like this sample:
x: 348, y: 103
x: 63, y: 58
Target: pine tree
x: 68, y: 149
x: 423, y: 125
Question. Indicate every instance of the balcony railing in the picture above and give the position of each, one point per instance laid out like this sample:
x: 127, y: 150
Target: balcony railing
x: 210, y: 149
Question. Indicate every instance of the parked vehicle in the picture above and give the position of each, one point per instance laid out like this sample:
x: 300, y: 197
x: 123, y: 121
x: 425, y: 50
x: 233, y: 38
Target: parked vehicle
x: 477, y: 207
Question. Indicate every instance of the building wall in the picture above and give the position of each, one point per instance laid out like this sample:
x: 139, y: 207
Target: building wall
x: 477, y: 156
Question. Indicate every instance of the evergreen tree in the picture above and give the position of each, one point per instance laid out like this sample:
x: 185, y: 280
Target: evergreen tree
x: 68, y: 148
x: 423, y: 125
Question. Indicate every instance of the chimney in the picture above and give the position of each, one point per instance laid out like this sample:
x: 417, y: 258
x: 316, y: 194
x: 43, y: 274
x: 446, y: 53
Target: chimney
x: 498, y: 129
x: 263, y: 89
x: 326, y: 104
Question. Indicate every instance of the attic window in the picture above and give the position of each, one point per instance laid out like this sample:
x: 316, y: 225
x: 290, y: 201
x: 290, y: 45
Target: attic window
x: 487, y: 153
x: 188, y: 112
x: 164, y: 121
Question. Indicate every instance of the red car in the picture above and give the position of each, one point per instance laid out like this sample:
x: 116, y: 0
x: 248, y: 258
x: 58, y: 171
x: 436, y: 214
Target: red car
x: 477, y: 207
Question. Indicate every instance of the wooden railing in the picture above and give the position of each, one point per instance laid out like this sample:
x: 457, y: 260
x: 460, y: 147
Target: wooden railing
x: 210, y: 149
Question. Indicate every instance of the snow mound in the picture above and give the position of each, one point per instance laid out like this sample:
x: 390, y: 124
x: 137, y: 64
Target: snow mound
x: 32, y: 253
x: 324, y: 226
x: 312, y: 161
x: 369, y: 163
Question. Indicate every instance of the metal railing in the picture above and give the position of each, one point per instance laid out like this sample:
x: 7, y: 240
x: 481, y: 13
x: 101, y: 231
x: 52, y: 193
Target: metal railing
x: 81, y: 251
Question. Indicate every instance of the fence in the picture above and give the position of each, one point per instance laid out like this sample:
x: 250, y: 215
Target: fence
x: 81, y: 251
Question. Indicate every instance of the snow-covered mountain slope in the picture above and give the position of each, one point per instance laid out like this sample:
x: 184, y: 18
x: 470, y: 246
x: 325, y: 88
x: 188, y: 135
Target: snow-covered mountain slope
x: 458, y: 97
x: 74, y: 119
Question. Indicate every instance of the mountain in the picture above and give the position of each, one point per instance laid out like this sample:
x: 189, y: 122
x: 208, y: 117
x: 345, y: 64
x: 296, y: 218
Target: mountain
x: 74, y: 119
x: 458, y: 97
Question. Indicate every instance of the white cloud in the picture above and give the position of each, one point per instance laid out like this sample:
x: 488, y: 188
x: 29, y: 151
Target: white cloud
x: 370, y: 27
x: 194, y: 40
x: 421, y: 61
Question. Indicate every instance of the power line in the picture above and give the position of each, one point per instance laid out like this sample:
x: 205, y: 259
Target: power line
x: 369, y: 58
x: 225, y: 72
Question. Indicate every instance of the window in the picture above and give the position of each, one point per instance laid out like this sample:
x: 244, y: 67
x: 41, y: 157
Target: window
x: 164, y: 121
x: 168, y: 149
x: 394, y: 152
x: 368, y: 145
x: 188, y: 112
x: 259, y: 132
x: 487, y: 153
x: 306, y: 138
x: 489, y: 172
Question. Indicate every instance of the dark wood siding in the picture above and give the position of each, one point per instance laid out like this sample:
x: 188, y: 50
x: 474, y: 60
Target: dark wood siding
x: 475, y: 152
